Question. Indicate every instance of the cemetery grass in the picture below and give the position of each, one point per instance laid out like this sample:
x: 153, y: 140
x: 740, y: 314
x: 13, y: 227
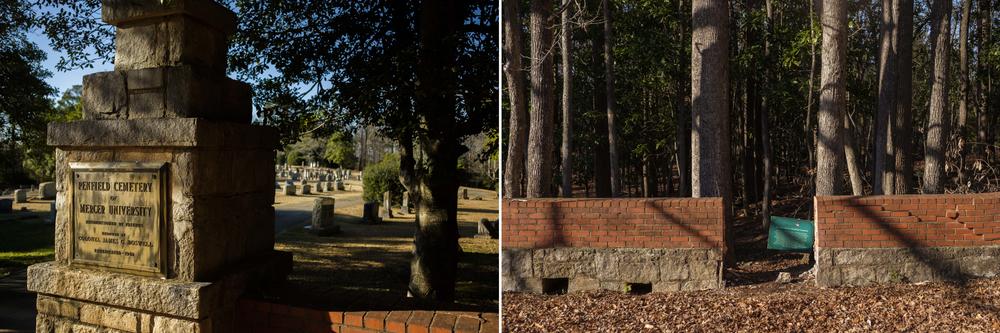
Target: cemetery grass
x: 24, y: 241
x: 366, y: 267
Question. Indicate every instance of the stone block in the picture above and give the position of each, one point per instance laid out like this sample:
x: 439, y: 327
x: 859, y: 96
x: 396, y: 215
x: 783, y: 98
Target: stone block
x: 386, y: 211
x: 582, y: 283
x: 667, y: 286
x: 165, y: 92
x: 370, y: 214
x: 47, y: 190
x: 306, y: 189
x: 323, y: 213
x: 20, y: 196
x: 517, y: 262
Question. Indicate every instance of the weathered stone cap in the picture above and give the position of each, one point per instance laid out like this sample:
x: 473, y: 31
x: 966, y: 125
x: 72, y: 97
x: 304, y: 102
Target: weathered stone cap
x: 165, y: 92
x: 160, y: 132
x: 126, y: 12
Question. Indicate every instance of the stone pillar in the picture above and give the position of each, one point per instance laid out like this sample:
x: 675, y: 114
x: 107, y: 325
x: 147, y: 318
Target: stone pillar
x: 386, y: 212
x: 166, y: 160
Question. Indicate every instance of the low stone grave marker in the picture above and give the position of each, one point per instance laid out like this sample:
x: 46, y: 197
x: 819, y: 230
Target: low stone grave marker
x: 405, y: 207
x: 289, y: 189
x: 306, y: 189
x: 47, y: 190
x: 323, y: 217
x: 20, y: 196
x: 370, y: 215
x: 488, y: 229
x: 465, y: 194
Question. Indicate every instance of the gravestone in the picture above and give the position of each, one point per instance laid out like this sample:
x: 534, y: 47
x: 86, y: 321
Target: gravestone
x: 163, y: 190
x: 405, y: 207
x: 488, y: 229
x: 6, y: 206
x: 340, y: 185
x: 306, y: 189
x: 330, y: 186
x: 289, y: 189
x: 465, y: 194
x: 322, y: 217
x: 47, y: 190
x: 370, y: 213
x: 386, y: 212
x: 20, y: 196
x: 319, y: 186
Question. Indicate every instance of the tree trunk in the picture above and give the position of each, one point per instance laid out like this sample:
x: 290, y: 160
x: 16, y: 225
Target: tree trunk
x: 765, y: 137
x: 683, y: 118
x: 851, y: 156
x: 937, y: 122
x: 567, y: 102
x: 609, y: 77
x: 710, y: 149
x: 435, y: 252
x: 830, y: 118
x: 540, y: 138
x: 894, y: 97
x: 517, y: 145
x: 963, y: 66
x: 602, y: 174
x: 983, y: 74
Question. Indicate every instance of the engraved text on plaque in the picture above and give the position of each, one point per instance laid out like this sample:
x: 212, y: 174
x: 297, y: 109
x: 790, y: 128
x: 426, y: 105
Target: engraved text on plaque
x: 118, y: 216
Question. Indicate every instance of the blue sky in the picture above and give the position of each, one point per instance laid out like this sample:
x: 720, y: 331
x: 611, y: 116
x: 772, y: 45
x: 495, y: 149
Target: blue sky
x: 63, y: 80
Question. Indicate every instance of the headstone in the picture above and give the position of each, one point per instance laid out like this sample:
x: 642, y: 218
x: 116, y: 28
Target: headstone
x: 322, y: 217
x: 330, y: 186
x: 488, y: 229
x: 405, y: 207
x: 306, y: 189
x: 289, y: 189
x: 6, y: 206
x: 319, y: 187
x: 386, y: 212
x: 370, y: 215
x: 340, y: 185
x: 163, y: 189
x: 47, y: 190
x: 20, y: 196
x: 465, y: 194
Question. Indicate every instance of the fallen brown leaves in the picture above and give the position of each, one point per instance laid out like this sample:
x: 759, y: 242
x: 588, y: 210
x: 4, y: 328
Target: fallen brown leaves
x: 769, y: 307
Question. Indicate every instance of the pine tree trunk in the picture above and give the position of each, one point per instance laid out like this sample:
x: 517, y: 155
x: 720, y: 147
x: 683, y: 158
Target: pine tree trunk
x: 904, y: 96
x: 567, y: 102
x: 540, y: 136
x: 609, y: 77
x: 765, y: 137
x: 602, y: 174
x: 851, y: 157
x: 894, y: 77
x: 937, y: 122
x: 963, y: 66
x: 683, y: 118
x: 710, y: 148
x: 830, y: 118
x: 517, y: 145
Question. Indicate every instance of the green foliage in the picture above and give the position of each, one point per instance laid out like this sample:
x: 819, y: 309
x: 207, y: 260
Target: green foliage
x: 293, y: 158
x: 340, y: 150
x: 381, y: 177
x: 307, y: 150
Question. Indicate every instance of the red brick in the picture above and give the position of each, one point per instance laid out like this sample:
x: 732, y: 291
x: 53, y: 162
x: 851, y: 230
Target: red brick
x: 395, y: 322
x: 419, y: 322
x: 356, y: 318
x: 466, y: 324
x: 375, y: 319
x: 443, y: 323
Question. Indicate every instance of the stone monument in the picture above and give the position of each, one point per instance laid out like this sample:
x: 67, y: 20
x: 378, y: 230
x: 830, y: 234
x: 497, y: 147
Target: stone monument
x: 322, y: 217
x: 405, y: 207
x: 21, y: 196
x: 386, y: 212
x: 47, y: 190
x: 163, y: 190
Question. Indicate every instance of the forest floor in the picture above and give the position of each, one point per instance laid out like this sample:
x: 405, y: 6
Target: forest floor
x: 753, y: 302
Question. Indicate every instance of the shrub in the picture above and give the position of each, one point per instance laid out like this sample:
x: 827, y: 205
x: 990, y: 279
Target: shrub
x: 383, y: 176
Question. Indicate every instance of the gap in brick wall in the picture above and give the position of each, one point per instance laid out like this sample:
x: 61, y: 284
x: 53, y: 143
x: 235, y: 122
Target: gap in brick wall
x: 639, y: 288
x: 555, y: 286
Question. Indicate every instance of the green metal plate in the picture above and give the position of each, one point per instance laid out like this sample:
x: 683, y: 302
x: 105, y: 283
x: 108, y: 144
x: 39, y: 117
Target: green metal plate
x: 788, y: 234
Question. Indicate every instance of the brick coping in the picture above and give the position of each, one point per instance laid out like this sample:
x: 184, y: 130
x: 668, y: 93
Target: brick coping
x: 261, y: 316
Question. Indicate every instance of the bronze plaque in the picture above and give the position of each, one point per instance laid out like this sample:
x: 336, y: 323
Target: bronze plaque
x: 118, y: 216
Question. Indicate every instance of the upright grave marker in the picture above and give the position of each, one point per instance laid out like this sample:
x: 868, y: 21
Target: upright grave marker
x: 164, y: 190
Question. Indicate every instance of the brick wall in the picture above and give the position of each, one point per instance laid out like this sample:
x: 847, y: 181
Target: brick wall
x: 259, y: 316
x: 614, y: 223
x: 670, y: 243
x: 878, y: 239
